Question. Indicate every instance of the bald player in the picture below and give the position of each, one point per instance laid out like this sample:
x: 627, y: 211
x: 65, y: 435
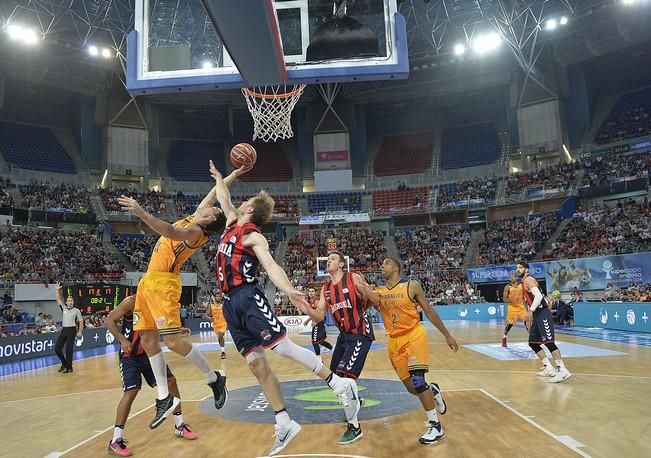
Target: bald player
x: 408, y: 344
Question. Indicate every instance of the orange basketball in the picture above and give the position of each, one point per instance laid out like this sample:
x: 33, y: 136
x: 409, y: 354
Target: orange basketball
x: 243, y: 154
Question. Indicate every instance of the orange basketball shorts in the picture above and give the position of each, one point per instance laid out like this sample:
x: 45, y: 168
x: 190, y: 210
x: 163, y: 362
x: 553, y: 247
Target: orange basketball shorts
x: 157, y: 303
x: 515, y: 312
x: 409, y: 351
x: 219, y: 323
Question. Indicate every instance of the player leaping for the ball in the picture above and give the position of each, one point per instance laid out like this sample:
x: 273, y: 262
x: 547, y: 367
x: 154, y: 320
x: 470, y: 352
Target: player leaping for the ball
x: 157, y: 308
x: 251, y: 319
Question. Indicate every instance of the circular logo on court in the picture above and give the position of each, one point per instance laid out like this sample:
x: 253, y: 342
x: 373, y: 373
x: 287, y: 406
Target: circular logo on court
x: 630, y: 317
x: 462, y: 312
x: 603, y: 316
x: 109, y: 337
x: 492, y: 310
x: 313, y: 402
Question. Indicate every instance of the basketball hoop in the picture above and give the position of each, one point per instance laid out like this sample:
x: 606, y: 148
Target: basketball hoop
x: 271, y: 108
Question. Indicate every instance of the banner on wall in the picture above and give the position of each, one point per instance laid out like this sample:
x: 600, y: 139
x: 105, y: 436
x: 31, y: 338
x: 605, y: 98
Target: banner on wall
x: 623, y: 316
x: 334, y: 217
x: 324, y: 156
x: 501, y: 274
x: 596, y: 273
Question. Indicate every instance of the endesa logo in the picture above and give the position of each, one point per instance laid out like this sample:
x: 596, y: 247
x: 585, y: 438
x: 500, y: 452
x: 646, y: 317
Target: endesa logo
x: 292, y: 321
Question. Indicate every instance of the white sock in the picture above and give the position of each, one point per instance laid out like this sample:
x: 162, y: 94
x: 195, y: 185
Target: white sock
x: 546, y: 362
x: 282, y: 418
x: 220, y: 347
x: 117, y: 433
x: 335, y: 382
x: 354, y: 422
x: 178, y: 419
x: 287, y: 348
x: 159, y: 368
x: 560, y: 365
x: 432, y: 415
x: 198, y: 360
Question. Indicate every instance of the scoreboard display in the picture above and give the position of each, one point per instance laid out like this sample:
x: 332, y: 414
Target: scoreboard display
x: 98, y: 297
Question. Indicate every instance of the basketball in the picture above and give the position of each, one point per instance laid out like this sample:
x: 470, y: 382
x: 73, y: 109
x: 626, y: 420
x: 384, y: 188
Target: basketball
x: 243, y: 154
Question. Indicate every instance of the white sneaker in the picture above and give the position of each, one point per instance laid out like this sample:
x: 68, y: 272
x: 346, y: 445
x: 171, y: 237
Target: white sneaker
x: 284, y: 436
x: 548, y: 371
x: 560, y: 376
x: 441, y: 406
x: 433, y: 434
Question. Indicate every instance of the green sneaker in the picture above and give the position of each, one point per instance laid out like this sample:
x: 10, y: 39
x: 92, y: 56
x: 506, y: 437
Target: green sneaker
x: 351, y: 435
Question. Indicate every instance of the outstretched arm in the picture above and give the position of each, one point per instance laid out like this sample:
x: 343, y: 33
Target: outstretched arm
x: 191, y: 233
x: 222, y: 194
x: 417, y: 294
x: 317, y: 314
x: 277, y: 275
x: 211, y: 197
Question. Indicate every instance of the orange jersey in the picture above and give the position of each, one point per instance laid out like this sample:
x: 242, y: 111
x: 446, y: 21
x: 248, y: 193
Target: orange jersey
x: 398, y: 310
x: 169, y: 255
x: 514, y: 295
x: 217, y: 314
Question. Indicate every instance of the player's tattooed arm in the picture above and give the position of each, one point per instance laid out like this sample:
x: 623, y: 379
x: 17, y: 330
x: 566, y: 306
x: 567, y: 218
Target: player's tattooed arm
x: 368, y: 294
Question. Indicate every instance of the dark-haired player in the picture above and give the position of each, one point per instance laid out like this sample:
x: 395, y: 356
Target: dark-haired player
x: 408, y: 345
x: 157, y: 309
x: 541, y: 326
x: 345, y: 295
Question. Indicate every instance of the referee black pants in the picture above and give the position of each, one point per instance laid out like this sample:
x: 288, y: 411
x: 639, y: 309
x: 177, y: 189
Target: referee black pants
x: 67, y: 338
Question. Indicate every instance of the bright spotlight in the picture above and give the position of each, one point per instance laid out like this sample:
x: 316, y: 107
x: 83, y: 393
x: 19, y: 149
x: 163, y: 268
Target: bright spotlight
x: 93, y: 51
x: 551, y: 24
x: 206, y: 64
x: 15, y: 31
x: 629, y: 2
x: 563, y: 20
x: 29, y: 37
x: 486, y: 43
x: 459, y: 49
x: 106, y: 53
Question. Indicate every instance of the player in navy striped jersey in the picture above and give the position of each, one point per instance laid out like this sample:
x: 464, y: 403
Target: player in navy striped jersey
x: 134, y: 365
x: 346, y: 295
x: 250, y: 317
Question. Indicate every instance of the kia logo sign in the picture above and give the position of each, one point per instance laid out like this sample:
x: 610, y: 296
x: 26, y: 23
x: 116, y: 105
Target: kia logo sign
x: 293, y: 321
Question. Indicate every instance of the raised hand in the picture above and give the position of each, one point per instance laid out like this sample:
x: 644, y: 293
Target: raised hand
x: 129, y: 204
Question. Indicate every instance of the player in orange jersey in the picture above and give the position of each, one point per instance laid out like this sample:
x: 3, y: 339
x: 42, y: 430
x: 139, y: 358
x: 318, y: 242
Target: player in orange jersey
x: 218, y: 321
x: 157, y: 309
x: 408, y: 345
x: 514, y: 305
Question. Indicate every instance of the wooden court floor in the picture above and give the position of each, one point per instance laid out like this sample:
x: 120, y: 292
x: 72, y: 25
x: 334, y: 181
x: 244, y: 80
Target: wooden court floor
x: 495, y: 408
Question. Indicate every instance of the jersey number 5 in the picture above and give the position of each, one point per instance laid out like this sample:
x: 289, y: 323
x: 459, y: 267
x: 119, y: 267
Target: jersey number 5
x: 221, y: 274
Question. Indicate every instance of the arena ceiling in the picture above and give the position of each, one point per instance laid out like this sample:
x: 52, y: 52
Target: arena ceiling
x: 594, y: 27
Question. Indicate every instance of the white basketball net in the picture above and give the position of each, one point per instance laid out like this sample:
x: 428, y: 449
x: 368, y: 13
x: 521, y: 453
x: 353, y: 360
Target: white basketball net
x: 271, y: 108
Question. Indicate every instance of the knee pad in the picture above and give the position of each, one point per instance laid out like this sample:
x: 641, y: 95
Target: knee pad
x: 535, y: 347
x: 551, y: 346
x: 255, y: 354
x: 418, y: 381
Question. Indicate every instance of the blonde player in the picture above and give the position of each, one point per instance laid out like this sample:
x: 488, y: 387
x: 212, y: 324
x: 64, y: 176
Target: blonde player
x: 218, y: 321
x: 408, y: 345
x: 514, y: 305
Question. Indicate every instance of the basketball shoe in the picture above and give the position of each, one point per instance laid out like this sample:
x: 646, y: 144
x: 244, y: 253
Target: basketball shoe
x: 185, y: 432
x: 433, y: 434
x: 223, y: 355
x: 504, y: 342
x: 560, y: 376
x: 164, y: 407
x: 219, y: 390
x: 284, y: 436
x: 548, y: 371
x: 351, y: 435
x: 441, y: 406
x: 119, y: 448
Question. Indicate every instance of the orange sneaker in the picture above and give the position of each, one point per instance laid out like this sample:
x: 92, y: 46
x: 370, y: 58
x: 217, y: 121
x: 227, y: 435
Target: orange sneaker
x: 185, y: 432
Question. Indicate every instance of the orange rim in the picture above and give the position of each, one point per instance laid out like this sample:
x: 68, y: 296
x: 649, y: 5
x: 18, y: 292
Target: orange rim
x: 284, y: 95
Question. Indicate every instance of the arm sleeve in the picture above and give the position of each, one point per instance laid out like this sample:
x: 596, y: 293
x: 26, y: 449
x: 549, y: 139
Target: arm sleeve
x: 537, y: 299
